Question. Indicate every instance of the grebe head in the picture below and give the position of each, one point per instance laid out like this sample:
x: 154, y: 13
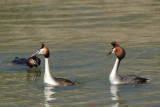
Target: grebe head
x: 119, y: 52
x: 43, y: 50
x: 33, y: 61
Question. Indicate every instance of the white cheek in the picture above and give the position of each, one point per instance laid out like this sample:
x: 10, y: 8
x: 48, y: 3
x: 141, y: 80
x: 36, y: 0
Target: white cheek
x: 41, y: 51
x: 113, y: 50
x: 34, y: 62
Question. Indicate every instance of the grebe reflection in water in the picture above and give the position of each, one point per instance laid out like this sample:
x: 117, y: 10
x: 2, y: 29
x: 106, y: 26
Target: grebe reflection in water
x: 48, y: 94
x: 33, y: 74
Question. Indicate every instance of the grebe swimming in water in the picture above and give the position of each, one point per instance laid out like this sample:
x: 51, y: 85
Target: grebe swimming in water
x: 118, y: 79
x: 31, y: 61
x: 47, y: 76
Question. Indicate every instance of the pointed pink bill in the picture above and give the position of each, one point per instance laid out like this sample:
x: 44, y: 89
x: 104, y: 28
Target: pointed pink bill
x: 35, y: 53
x: 110, y: 52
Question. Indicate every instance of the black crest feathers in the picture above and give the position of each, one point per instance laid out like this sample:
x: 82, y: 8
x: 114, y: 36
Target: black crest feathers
x: 114, y: 43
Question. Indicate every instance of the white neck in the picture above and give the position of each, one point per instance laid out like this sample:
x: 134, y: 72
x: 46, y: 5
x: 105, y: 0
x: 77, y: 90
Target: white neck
x: 114, y: 73
x: 47, y: 76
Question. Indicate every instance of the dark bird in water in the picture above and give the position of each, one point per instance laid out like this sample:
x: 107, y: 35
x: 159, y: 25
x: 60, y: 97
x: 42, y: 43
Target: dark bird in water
x: 31, y: 61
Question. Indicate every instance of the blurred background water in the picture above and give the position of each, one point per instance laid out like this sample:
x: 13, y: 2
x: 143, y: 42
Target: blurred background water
x: 78, y: 34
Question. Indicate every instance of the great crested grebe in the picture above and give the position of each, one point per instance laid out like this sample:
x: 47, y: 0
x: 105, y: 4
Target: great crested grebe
x: 18, y: 60
x: 118, y: 79
x: 31, y: 61
x: 47, y: 76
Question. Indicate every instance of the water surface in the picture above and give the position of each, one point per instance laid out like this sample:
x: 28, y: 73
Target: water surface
x: 78, y: 34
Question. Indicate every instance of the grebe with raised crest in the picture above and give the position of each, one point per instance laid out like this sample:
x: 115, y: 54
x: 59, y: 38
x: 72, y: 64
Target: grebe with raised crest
x: 47, y: 76
x: 118, y: 79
